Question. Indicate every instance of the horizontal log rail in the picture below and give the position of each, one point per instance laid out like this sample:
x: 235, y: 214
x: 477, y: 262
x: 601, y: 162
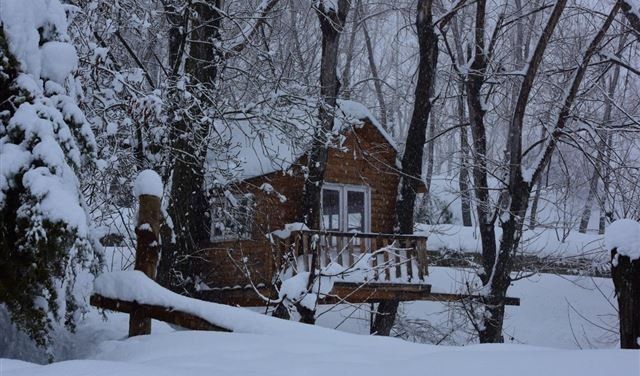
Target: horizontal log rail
x: 391, y: 257
x: 167, y: 314
x: 365, y: 235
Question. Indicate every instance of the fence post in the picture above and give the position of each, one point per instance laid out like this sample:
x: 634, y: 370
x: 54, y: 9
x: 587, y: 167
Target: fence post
x: 148, y: 188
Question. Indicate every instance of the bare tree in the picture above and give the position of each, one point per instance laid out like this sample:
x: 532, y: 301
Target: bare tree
x: 513, y: 202
x: 412, y: 158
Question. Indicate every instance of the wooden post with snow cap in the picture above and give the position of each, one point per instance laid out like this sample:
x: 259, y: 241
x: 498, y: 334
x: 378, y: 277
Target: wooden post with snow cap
x: 148, y: 188
x: 622, y: 239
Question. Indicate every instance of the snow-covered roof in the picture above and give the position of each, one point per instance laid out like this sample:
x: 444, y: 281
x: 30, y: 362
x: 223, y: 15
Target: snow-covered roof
x: 254, y: 146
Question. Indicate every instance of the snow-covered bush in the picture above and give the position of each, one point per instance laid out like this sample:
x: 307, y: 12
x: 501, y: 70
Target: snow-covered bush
x: 45, y: 237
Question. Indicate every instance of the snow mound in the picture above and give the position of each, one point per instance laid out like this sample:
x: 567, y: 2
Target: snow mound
x: 148, y: 182
x: 198, y: 353
x: 624, y: 235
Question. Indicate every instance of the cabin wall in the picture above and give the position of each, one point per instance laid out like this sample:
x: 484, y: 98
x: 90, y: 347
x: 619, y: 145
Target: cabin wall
x: 370, y: 160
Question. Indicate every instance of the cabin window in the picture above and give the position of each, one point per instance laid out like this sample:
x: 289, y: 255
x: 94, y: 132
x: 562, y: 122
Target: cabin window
x: 232, y: 216
x: 346, y: 208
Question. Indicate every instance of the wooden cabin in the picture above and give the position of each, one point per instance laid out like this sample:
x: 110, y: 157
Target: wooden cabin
x: 251, y: 253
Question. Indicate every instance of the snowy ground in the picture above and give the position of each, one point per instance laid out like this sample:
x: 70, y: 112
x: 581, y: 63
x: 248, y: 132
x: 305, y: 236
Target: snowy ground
x: 540, y: 242
x: 208, y: 353
x: 560, y: 313
x: 558, y: 316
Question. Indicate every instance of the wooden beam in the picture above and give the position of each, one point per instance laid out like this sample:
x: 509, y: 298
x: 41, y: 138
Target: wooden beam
x: 443, y: 297
x: 166, y: 314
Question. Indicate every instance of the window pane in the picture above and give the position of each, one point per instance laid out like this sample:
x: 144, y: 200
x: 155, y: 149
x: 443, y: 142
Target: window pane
x: 330, y: 209
x: 232, y: 216
x: 355, y: 211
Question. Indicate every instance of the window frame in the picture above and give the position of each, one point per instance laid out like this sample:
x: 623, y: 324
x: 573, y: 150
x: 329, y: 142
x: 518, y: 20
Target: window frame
x: 343, y: 190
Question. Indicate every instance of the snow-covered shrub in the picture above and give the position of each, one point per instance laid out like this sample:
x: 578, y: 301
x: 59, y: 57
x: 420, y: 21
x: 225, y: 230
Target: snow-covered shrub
x: 45, y: 237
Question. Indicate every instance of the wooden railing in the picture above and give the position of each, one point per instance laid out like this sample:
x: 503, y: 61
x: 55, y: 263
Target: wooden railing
x: 391, y: 257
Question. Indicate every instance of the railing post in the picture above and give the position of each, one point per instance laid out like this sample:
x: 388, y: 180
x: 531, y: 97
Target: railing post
x: 421, y: 253
x: 411, y: 252
x: 148, y: 188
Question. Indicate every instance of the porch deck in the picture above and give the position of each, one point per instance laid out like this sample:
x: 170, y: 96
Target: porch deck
x: 365, y: 268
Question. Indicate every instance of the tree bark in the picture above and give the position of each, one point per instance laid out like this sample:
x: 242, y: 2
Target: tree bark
x: 463, y: 177
x: 331, y: 24
x: 188, y: 204
x: 385, y: 317
x: 414, y: 147
x: 625, y: 273
x: 377, y: 84
x: 346, y: 73
x: 497, y: 263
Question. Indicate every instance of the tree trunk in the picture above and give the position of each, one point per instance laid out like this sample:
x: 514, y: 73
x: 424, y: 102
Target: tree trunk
x: 188, y: 205
x: 331, y: 23
x: 586, y: 212
x: 377, y: 84
x: 497, y: 265
x: 414, y: 147
x: 346, y: 73
x: 463, y: 178
x: 626, y: 279
x: 602, y: 164
x: 385, y: 317
x: 533, y: 218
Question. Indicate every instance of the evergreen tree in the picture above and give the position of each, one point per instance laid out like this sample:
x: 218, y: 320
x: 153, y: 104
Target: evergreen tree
x: 45, y: 140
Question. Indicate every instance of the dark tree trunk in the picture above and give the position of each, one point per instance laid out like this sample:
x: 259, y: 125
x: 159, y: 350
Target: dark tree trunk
x: 414, y: 147
x: 474, y: 84
x: 497, y: 263
x: 385, y: 317
x: 331, y: 23
x: 626, y: 279
x: 346, y: 73
x: 188, y: 204
x: 463, y: 178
